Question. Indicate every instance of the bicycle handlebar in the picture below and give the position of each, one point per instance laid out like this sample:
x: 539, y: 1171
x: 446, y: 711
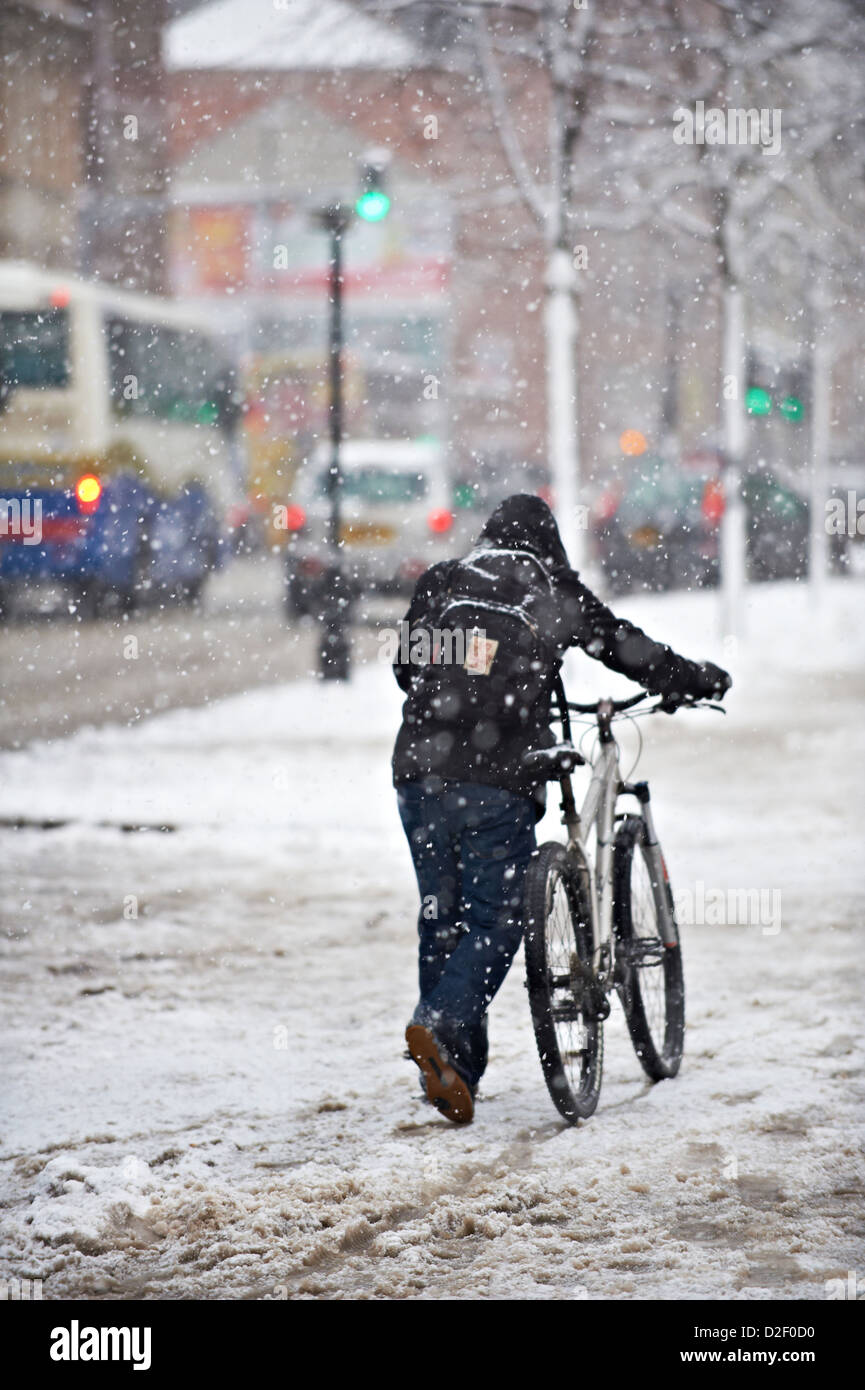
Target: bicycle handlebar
x: 619, y: 705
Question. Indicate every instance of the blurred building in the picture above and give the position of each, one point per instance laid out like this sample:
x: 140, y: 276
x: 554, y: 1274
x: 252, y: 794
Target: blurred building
x: 274, y: 108
x: 255, y: 155
x: 82, y: 138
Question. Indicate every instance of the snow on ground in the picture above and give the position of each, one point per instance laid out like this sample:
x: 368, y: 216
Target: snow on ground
x: 204, y: 1094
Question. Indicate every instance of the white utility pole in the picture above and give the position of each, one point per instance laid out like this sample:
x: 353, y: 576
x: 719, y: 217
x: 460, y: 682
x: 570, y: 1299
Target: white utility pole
x: 560, y: 322
x: 821, y: 385
x: 733, y: 538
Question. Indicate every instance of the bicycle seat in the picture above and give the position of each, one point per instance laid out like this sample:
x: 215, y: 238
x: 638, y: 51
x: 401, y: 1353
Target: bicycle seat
x: 552, y: 763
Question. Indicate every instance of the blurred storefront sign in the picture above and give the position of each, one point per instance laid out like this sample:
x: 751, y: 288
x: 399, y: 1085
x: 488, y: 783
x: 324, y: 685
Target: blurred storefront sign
x: 228, y: 248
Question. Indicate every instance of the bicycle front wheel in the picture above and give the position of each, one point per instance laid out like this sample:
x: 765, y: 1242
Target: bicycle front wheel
x: 558, y: 946
x: 649, y: 971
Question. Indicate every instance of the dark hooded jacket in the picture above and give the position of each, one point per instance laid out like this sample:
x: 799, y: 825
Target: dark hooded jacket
x: 571, y: 616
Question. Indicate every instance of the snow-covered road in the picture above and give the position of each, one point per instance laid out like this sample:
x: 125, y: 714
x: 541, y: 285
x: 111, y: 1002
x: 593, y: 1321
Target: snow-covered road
x: 204, y: 1094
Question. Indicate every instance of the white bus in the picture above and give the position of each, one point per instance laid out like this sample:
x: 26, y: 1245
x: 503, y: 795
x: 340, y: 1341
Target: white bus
x: 120, y: 469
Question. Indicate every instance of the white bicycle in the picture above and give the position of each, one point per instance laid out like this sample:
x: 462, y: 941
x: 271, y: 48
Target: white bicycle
x: 595, y: 924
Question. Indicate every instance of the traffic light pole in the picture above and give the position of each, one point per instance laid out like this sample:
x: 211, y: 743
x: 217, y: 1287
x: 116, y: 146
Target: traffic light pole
x: 334, y: 646
x: 336, y: 229
x: 372, y: 206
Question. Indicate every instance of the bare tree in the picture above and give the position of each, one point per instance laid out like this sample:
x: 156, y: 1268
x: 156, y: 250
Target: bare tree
x: 802, y: 63
x: 585, y: 65
x: 620, y: 84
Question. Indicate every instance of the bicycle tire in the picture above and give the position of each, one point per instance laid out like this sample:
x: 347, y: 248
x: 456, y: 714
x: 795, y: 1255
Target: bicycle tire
x: 558, y: 919
x: 649, y: 973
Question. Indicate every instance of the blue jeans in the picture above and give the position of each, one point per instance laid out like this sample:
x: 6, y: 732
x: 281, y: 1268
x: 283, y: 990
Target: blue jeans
x: 470, y: 845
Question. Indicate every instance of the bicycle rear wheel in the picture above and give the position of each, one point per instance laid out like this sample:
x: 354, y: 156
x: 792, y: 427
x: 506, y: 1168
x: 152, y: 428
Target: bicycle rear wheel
x: 558, y: 947
x: 649, y: 973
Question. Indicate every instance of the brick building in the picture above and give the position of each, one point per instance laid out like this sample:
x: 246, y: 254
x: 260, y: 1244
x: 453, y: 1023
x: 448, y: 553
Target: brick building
x: 442, y: 300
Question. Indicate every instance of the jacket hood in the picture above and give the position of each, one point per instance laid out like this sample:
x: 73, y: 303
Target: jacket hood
x: 524, y: 522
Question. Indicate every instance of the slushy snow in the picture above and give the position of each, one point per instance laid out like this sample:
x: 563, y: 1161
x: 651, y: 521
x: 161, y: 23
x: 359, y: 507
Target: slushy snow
x: 210, y: 961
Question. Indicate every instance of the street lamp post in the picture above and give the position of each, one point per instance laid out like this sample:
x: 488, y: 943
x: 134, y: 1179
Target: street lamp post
x: 372, y: 205
x: 334, y: 648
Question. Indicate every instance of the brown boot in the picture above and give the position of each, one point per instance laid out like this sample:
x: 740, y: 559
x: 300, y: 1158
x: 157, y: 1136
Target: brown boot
x: 445, y: 1087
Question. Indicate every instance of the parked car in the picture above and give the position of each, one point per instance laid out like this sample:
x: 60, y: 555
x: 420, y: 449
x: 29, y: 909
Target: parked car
x: 659, y: 530
x: 777, y: 528
x: 396, y: 519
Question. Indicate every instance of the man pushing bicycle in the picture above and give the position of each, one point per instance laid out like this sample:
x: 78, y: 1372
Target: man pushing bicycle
x: 467, y: 799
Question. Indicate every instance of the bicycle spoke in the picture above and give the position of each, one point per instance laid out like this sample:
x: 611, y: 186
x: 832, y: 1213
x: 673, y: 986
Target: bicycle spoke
x: 558, y: 969
x: 649, y: 962
x: 565, y: 1011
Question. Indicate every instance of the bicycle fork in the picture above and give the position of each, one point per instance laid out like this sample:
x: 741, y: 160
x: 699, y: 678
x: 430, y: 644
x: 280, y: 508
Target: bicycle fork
x: 658, y: 875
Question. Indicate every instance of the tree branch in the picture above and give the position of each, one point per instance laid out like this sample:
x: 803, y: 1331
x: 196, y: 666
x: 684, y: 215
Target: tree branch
x: 513, y: 152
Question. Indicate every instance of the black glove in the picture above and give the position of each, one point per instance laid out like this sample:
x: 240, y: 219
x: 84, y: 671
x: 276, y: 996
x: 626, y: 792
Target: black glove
x: 695, y: 680
x: 710, y: 682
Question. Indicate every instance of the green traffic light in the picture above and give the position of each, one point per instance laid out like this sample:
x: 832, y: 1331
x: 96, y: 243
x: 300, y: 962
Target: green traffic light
x: 758, y: 401
x: 373, y: 205
x: 792, y: 408
x: 464, y: 495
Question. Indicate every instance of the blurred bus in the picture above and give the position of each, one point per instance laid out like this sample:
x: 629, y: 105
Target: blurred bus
x: 119, y: 462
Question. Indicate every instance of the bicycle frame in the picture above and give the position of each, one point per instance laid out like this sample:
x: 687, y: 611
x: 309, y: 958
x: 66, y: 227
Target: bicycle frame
x: 598, y: 813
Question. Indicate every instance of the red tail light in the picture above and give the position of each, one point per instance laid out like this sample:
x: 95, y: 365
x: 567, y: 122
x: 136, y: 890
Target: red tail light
x: 88, y: 491
x: 310, y: 566
x: 713, y: 502
x: 295, y: 517
x: 440, y: 521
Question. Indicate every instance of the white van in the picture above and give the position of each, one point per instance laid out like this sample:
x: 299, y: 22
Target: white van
x: 396, y: 518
